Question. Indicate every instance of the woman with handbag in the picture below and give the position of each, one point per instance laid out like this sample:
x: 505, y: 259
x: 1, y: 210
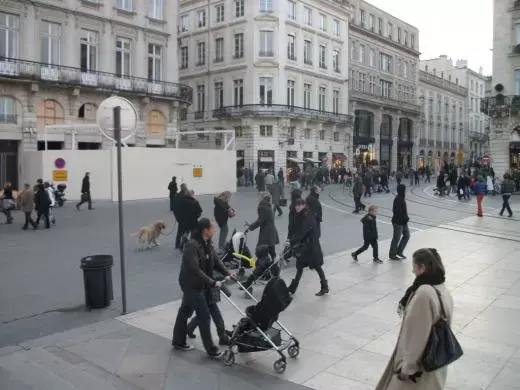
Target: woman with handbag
x: 426, y: 307
x: 8, y: 202
x: 223, y: 211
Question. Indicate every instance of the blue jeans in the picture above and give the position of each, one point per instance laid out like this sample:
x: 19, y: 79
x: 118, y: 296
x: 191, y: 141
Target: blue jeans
x: 194, y: 301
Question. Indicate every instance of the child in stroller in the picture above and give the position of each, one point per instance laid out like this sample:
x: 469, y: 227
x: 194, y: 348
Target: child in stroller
x: 236, y: 254
x: 255, y: 331
x: 265, y: 267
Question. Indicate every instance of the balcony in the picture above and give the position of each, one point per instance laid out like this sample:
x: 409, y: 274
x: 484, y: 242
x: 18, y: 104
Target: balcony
x: 281, y: 110
x: 382, y: 101
x: 442, y: 83
x: 500, y: 105
x: 22, y: 70
x: 8, y: 118
x: 478, y: 137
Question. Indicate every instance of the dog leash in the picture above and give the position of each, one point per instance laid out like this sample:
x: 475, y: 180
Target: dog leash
x: 173, y: 228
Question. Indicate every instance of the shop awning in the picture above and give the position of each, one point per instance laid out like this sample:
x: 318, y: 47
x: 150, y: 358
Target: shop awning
x: 313, y: 160
x: 338, y: 156
x: 295, y: 160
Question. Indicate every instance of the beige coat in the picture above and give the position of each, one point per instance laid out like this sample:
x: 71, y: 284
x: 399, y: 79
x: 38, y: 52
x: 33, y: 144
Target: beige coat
x: 422, y: 311
x: 27, y: 201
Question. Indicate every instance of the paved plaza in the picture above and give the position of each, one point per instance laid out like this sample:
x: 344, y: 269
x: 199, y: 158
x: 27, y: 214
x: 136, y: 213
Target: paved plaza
x: 346, y: 337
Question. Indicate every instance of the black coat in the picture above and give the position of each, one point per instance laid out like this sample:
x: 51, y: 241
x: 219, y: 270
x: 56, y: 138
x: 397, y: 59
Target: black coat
x: 199, y: 260
x: 42, y: 202
x: 314, y: 205
x: 399, y: 208
x: 85, y: 185
x: 221, y: 212
x: 306, y: 240
x: 268, y: 233
x: 357, y: 190
x: 369, y: 228
x: 172, y: 187
x: 187, y: 210
x: 295, y: 194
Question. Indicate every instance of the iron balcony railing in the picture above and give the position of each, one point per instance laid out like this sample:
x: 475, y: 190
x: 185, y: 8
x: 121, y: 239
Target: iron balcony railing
x: 477, y: 136
x: 66, y: 75
x: 8, y: 118
x: 500, y: 103
x: 282, y: 110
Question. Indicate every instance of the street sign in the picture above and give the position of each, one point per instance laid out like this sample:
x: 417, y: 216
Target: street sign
x: 105, y: 118
x: 59, y: 163
x: 60, y: 175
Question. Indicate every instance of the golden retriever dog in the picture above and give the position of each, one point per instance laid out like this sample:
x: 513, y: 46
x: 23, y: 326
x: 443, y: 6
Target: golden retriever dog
x: 148, y: 235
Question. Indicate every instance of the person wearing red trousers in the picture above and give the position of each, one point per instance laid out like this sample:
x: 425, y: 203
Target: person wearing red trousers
x: 480, y: 192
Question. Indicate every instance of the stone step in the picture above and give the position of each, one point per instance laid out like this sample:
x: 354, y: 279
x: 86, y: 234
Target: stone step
x: 76, y: 375
x: 32, y: 374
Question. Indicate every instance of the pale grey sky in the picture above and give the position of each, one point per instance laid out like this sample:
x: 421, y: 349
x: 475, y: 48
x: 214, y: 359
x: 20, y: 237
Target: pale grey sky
x: 461, y: 29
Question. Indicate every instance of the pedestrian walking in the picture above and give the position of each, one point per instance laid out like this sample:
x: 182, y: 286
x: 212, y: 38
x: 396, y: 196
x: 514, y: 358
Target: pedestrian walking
x: 480, y: 192
x: 313, y: 203
x: 222, y: 212
x: 400, y: 219
x: 306, y: 246
x: 52, y: 199
x: 275, y: 192
x: 423, y: 305
x: 198, y: 263
x: 27, y: 204
x: 8, y: 203
x: 42, y: 204
x: 357, y: 192
x: 187, y: 212
x: 369, y: 235
x: 85, y: 192
x: 172, y: 190
x: 268, y: 234
x: 508, y: 186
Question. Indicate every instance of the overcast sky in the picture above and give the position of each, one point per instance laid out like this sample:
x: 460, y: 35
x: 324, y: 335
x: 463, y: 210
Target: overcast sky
x: 461, y: 29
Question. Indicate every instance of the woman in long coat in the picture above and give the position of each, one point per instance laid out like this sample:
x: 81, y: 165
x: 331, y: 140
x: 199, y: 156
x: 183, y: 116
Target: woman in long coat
x: 306, y: 246
x: 268, y: 234
x: 420, y: 309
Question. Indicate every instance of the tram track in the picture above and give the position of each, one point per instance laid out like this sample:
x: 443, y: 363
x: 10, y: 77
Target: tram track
x: 417, y: 219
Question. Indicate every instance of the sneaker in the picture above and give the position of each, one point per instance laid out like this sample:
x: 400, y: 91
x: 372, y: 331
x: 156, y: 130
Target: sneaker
x: 185, y: 347
x: 401, y: 256
x: 394, y: 257
x: 378, y: 261
x: 192, y: 335
x: 216, y: 354
x: 354, y: 256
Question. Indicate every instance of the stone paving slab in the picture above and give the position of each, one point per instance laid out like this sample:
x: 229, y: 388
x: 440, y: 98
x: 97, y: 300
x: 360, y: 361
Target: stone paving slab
x: 348, y: 336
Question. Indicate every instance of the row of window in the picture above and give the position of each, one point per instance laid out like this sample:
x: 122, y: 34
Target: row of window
x: 155, y: 7
x: 323, y: 22
x: 267, y: 131
x: 374, y: 85
x: 432, y: 109
x: 367, y: 56
x: 51, y: 47
x: 265, y: 95
x: 378, y: 25
x: 219, y: 15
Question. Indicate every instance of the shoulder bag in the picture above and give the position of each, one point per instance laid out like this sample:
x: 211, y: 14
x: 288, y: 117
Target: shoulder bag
x: 442, y: 347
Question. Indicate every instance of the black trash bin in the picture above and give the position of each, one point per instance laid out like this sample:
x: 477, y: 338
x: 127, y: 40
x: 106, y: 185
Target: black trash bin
x: 97, y: 280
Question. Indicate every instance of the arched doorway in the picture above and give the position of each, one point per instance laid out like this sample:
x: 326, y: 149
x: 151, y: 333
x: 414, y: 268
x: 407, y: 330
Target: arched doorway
x: 385, y: 154
x: 363, y: 136
x: 155, y: 123
x: 87, y: 112
x: 49, y: 112
x: 404, y: 143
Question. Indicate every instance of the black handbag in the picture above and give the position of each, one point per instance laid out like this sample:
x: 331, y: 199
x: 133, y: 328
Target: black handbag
x: 442, y: 347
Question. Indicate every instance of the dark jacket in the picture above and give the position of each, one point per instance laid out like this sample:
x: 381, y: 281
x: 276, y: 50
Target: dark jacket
x: 85, y: 185
x: 198, y: 262
x: 187, y: 211
x: 295, y: 194
x: 480, y: 188
x: 315, y: 206
x: 440, y: 181
x: 306, y: 241
x: 508, y: 187
x: 384, y: 179
x: 172, y: 187
x: 275, y: 191
x: 357, y: 190
x: 268, y: 234
x: 221, y: 211
x: 369, y: 228
x: 42, y: 201
x: 399, y: 208
x: 8, y: 193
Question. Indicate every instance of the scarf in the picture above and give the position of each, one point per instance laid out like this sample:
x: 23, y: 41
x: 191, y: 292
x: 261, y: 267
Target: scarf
x: 429, y: 279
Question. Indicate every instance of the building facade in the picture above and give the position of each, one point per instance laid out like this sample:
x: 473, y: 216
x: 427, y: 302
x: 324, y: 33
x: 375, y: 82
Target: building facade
x: 442, y: 137
x: 60, y: 59
x: 476, y: 124
x: 503, y: 106
x: 274, y: 71
x: 384, y: 63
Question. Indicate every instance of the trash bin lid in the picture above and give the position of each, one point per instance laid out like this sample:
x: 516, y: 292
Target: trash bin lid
x: 97, y: 261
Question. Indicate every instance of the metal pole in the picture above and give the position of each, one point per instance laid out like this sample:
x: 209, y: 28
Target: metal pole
x: 117, y: 134
x: 45, y: 138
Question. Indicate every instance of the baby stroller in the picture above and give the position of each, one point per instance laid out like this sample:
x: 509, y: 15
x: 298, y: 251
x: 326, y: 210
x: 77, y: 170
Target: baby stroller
x: 236, y: 254
x: 255, y: 331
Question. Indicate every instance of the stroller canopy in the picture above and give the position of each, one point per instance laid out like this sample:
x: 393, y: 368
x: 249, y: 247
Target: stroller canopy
x: 275, y: 299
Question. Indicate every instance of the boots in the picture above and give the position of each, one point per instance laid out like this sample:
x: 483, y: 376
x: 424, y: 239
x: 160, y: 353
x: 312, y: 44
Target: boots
x: 293, y: 286
x: 324, y: 288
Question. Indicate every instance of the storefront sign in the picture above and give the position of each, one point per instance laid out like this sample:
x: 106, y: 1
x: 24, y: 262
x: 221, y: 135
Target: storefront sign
x: 197, y: 171
x: 60, y: 175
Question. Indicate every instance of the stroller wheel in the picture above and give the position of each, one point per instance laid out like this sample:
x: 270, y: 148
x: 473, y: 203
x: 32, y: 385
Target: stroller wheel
x: 293, y: 351
x: 229, y: 357
x: 279, y: 366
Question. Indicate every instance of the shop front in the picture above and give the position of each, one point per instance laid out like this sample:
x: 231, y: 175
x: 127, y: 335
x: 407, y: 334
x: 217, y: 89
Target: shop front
x: 240, y: 159
x: 338, y: 160
x: 438, y: 160
x: 404, y: 144
x: 293, y: 165
x: 363, y: 145
x: 514, y: 155
x: 420, y: 160
x: 9, y: 163
x: 266, y: 160
x: 429, y: 159
x: 364, y: 154
x: 322, y: 156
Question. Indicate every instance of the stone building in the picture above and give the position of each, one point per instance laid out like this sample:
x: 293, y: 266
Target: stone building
x: 275, y: 72
x: 475, y: 122
x: 384, y: 63
x: 443, y: 104
x: 60, y: 59
x: 503, y: 106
